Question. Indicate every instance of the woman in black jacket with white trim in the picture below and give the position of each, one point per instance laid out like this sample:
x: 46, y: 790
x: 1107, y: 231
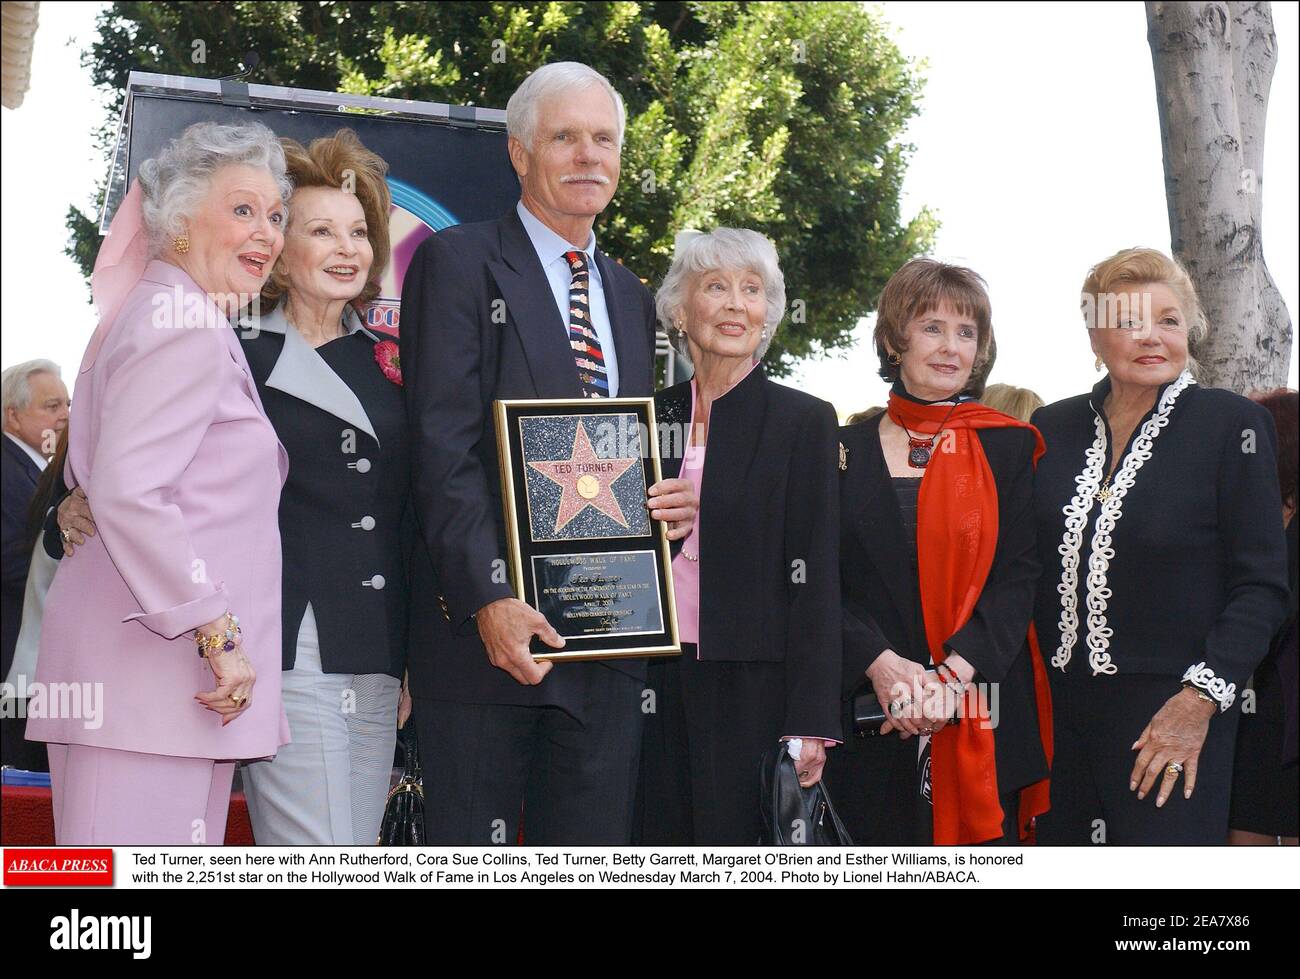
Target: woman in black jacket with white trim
x: 1164, y: 578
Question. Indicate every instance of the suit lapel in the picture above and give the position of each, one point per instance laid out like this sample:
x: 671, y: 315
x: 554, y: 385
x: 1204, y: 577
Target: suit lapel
x: 741, y: 414
x: 301, y: 372
x: 625, y: 323
x: 22, y: 460
x: 673, y: 419
x: 531, y: 307
x: 237, y: 351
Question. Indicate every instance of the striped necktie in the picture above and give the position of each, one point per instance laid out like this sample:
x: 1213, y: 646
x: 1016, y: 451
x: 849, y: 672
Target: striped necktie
x: 588, y: 356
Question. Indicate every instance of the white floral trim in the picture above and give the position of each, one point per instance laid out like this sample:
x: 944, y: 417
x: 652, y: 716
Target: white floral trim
x: 1088, y: 484
x: 1201, y: 676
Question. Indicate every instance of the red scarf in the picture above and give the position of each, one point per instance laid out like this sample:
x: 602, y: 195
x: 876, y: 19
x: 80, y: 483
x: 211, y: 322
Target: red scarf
x: 956, y: 538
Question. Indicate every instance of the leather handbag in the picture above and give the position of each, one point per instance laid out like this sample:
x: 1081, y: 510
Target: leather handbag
x: 791, y: 814
x: 403, y: 822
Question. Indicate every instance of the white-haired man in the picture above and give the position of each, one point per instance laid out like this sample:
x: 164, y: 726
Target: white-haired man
x: 35, y: 403
x: 487, y: 314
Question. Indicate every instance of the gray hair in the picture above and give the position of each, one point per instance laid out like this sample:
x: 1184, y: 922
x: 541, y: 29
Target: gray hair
x: 15, y: 385
x: 722, y: 248
x: 177, y: 179
x: 551, y: 80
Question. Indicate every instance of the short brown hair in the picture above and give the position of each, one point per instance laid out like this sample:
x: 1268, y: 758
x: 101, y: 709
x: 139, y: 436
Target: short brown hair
x: 920, y: 286
x: 338, y: 161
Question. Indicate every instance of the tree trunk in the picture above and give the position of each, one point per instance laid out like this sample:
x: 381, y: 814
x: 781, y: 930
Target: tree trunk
x: 1213, y: 67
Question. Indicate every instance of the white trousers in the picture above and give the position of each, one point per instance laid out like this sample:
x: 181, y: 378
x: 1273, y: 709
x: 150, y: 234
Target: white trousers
x: 328, y: 785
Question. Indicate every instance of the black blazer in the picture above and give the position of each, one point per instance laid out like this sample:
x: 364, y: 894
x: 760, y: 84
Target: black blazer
x: 1199, y: 570
x: 18, y: 477
x: 346, y: 524
x: 769, y: 513
x: 479, y: 322
x: 881, y: 593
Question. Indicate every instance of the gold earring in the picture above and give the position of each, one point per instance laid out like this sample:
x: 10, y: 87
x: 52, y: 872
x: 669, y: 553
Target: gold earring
x: 181, y: 243
x: 895, y: 360
x: 1097, y: 365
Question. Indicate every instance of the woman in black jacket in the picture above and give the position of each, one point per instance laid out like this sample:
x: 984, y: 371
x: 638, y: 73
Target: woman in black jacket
x: 332, y: 389
x: 1164, y: 578
x: 938, y: 572
x: 756, y: 582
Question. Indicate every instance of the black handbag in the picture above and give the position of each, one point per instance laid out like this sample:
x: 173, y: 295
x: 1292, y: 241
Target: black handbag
x: 403, y: 823
x: 791, y: 814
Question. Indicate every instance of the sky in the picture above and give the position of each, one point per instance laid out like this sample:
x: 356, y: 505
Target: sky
x: 1037, y: 146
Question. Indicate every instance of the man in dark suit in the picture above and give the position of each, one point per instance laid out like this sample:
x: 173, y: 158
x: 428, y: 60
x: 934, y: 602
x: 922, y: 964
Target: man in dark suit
x: 35, y: 411
x: 522, y: 307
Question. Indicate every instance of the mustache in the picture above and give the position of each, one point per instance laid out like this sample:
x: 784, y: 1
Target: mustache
x: 569, y: 178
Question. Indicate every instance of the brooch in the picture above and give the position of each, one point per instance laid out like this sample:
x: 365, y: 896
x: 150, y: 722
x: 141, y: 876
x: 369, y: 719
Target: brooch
x: 388, y: 356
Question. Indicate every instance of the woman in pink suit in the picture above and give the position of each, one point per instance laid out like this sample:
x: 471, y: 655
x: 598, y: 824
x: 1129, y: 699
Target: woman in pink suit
x: 160, y: 652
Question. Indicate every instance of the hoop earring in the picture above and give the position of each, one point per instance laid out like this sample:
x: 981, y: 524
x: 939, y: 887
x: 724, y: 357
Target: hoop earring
x: 181, y: 243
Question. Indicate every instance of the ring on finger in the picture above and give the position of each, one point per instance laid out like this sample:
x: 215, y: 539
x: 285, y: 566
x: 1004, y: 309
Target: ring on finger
x: 1173, y: 768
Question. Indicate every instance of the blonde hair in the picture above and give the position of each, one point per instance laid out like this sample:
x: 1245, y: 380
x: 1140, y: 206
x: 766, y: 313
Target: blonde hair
x: 1144, y: 266
x: 1011, y: 400
x: 923, y: 285
x: 342, y: 161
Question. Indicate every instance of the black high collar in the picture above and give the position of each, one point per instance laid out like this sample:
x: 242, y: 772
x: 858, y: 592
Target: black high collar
x: 899, y: 389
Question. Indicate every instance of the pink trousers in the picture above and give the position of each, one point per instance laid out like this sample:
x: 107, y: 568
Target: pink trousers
x: 105, y: 796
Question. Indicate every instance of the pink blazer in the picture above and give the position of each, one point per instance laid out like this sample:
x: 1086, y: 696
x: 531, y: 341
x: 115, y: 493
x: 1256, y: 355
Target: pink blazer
x: 183, y: 472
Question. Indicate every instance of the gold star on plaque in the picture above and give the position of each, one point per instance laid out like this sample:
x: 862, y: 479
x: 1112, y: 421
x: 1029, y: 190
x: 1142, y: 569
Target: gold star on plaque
x: 585, y: 480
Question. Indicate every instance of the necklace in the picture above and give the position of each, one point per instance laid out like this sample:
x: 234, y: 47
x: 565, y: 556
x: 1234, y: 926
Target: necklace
x: 919, y: 450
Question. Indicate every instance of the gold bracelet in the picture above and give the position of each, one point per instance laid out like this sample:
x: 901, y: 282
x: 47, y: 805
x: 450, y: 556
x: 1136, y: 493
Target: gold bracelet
x: 223, y: 641
x: 1202, y: 695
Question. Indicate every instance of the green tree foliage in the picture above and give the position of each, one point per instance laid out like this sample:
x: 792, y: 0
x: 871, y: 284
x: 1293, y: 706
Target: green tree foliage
x: 783, y: 117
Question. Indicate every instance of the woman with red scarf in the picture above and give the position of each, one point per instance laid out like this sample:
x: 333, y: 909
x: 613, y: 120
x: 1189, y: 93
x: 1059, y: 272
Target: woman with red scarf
x: 938, y: 574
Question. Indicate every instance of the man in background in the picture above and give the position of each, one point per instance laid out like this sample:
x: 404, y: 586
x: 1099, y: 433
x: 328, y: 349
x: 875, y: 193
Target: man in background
x: 35, y: 404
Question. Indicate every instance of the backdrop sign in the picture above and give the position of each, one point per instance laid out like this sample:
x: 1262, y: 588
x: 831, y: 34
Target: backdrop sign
x: 447, y: 164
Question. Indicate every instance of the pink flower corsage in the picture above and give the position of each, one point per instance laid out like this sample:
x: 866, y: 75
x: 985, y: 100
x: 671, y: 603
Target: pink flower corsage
x: 388, y: 357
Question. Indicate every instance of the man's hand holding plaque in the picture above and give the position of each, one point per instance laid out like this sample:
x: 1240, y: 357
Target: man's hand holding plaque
x: 507, y: 627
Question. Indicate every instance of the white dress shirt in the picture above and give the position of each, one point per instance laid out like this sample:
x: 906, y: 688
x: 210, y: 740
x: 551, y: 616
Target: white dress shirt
x: 550, y: 249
